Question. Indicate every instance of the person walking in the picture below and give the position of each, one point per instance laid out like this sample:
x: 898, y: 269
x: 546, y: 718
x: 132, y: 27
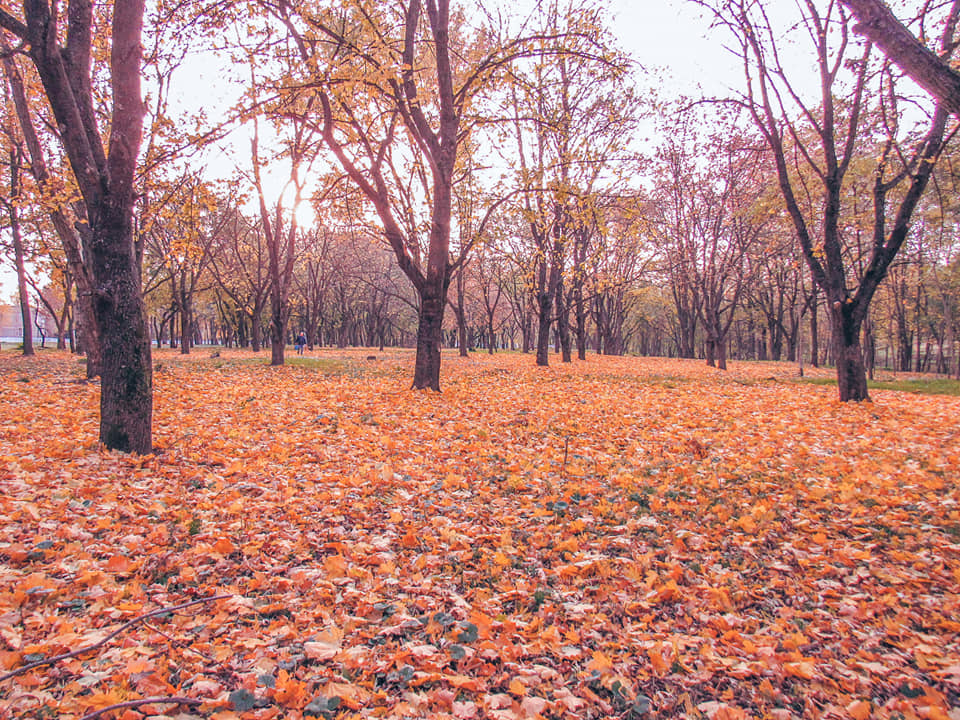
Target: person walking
x: 301, y: 342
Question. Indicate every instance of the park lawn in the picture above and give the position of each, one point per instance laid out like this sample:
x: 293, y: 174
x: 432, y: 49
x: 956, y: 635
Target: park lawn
x: 621, y: 537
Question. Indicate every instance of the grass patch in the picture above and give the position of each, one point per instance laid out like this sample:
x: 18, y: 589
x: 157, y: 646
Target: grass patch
x: 328, y: 366
x: 920, y: 386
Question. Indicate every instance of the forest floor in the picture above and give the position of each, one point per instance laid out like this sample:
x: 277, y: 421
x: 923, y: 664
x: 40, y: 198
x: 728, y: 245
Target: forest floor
x: 621, y: 537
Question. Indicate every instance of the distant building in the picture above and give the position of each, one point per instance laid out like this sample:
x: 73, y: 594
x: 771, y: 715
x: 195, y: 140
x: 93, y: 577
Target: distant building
x: 11, y: 325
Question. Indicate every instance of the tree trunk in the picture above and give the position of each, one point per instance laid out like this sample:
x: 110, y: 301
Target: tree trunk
x: 462, y: 341
x: 426, y: 373
x: 851, y: 371
x: 492, y: 332
x: 279, y: 319
x: 814, y: 329
x: 186, y: 319
x: 18, y: 255
x: 544, y: 305
x: 581, y: 333
x: 461, y: 313
x: 563, y: 325
x: 126, y: 386
x: 721, y: 347
x: 255, y: 325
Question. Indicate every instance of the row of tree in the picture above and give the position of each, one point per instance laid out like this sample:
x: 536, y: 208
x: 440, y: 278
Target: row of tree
x: 702, y: 264
x: 465, y: 158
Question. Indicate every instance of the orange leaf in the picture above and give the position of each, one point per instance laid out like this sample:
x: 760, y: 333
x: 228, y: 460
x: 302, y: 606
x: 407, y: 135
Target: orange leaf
x: 599, y: 662
x: 803, y: 670
x: 859, y: 709
x: 120, y: 564
x: 517, y: 688
x: 660, y: 666
x: 289, y: 691
x: 224, y: 546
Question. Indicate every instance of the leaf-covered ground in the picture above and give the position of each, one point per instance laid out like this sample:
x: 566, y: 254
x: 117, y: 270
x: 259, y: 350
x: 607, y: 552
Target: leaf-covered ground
x: 618, y: 538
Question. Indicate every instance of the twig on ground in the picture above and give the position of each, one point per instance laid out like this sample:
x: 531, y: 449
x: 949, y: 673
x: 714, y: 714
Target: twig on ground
x: 143, y: 701
x: 104, y: 641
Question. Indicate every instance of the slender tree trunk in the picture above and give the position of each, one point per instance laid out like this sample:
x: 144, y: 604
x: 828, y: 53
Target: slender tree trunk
x: 581, y: 332
x: 814, y: 329
x: 544, y: 306
x: 18, y: 254
x: 493, y: 335
x: 463, y: 341
x: 461, y: 312
x: 66, y: 314
x: 186, y: 318
x: 563, y: 325
x: 255, y: 328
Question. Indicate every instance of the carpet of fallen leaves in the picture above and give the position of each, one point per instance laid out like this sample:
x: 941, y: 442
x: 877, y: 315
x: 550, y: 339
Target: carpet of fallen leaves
x: 621, y: 537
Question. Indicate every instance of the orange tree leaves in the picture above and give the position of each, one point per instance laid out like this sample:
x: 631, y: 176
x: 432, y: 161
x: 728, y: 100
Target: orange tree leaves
x: 617, y: 537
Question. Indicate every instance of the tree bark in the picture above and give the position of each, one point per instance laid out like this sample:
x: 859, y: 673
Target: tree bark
x: 544, y: 321
x: 426, y: 374
x: 814, y: 329
x: 851, y: 370
x: 932, y: 73
x: 563, y: 324
x: 18, y: 252
x: 126, y: 375
x: 105, y: 178
x: 186, y: 317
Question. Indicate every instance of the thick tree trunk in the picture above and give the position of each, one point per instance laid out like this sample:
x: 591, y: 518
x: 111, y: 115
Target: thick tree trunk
x: 721, y: 347
x: 255, y: 325
x: 426, y: 373
x: 851, y: 371
x: 279, y: 320
x: 126, y: 386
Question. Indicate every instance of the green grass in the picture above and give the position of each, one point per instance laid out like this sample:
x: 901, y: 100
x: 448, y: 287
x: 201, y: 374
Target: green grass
x: 325, y: 365
x: 921, y: 386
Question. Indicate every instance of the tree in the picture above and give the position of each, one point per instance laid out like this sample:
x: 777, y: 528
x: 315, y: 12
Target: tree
x: 839, y: 126
x: 57, y: 192
x: 239, y: 265
x: 399, y: 88
x: 621, y: 261
x: 186, y: 217
x: 105, y: 178
x: 573, y: 113
x: 408, y: 82
x: 11, y: 205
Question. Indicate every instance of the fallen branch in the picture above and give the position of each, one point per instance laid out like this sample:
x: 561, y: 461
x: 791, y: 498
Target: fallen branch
x: 104, y: 641
x: 143, y: 701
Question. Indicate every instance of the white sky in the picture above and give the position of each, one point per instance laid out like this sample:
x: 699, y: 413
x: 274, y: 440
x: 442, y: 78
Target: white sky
x: 675, y: 36
x: 670, y: 38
